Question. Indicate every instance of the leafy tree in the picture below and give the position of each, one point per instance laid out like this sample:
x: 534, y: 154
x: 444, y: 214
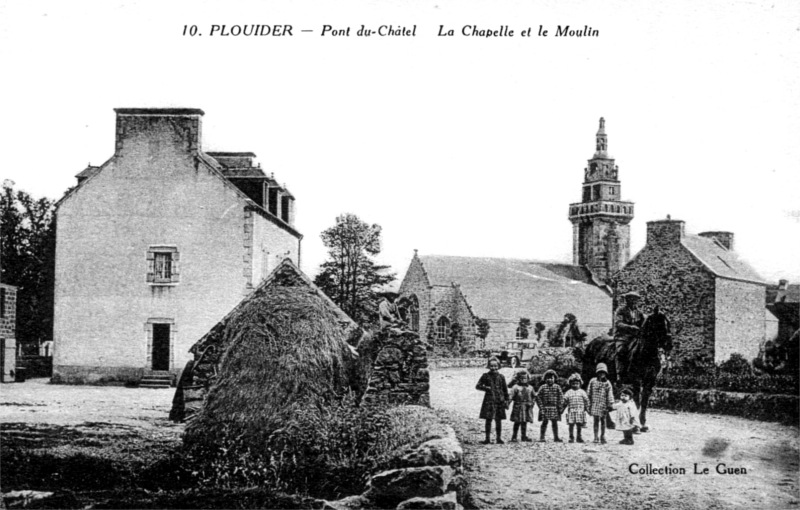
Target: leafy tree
x: 27, y: 252
x: 350, y: 277
x: 483, y: 328
x: 523, y: 326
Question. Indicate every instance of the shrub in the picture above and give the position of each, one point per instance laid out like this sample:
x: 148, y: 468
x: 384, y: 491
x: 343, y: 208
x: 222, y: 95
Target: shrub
x: 735, y: 365
x: 733, y: 375
x: 323, y: 451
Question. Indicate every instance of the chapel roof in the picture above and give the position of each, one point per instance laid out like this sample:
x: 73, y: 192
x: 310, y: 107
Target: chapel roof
x: 500, y: 288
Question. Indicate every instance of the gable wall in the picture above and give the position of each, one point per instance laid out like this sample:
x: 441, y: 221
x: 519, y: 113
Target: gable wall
x: 740, y: 319
x: 154, y: 192
x: 665, y: 273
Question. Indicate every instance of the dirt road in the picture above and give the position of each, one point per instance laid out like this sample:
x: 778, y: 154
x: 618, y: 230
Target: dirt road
x: 564, y: 475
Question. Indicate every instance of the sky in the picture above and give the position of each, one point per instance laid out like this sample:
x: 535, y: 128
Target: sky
x: 457, y: 145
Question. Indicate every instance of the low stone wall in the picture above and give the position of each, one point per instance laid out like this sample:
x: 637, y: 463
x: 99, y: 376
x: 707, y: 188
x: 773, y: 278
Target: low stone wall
x: 756, y: 406
x: 399, y: 372
x: 457, y: 362
x: 428, y: 476
x: 112, y: 376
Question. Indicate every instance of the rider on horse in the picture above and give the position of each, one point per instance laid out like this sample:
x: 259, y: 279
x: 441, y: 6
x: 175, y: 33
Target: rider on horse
x: 628, y: 322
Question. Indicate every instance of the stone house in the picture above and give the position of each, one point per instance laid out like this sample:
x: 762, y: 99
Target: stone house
x: 157, y: 244
x: 714, y: 299
x: 8, y: 331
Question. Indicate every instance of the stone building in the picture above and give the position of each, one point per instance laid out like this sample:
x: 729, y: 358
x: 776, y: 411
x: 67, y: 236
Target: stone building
x: 8, y: 331
x: 783, y: 300
x: 714, y: 299
x: 600, y: 221
x: 157, y: 244
x: 456, y: 290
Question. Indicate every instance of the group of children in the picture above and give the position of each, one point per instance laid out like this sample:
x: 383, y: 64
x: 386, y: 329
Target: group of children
x: 598, y: 401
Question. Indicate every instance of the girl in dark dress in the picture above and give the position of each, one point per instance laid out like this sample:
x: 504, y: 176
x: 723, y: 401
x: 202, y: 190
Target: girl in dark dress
x: 495, y: 399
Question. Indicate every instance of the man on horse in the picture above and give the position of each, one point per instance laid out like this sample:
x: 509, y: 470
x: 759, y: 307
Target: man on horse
x: 628, y: 322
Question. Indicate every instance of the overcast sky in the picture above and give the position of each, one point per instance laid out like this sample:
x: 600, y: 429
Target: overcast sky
x: 454, y: 145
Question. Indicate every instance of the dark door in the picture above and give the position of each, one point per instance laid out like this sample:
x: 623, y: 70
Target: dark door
x: 3, y: 359
x: 160, y: 346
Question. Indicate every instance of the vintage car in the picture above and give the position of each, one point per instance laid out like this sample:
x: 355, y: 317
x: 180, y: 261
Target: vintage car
x: 518, y: 352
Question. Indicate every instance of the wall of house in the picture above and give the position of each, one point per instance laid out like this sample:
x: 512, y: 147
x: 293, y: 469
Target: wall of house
x: 740, y: 319
x: 270, y: 244
x: 8, y: 331
x: 665, y: 273
x: 155, y: 192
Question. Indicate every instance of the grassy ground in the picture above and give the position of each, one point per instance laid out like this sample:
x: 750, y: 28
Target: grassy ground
x: 113, y: 447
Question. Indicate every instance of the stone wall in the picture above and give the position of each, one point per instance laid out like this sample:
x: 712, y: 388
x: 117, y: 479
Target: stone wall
x: 740, y: 324
x: 666, y: 274
x: 449, y: 302
x: 399, y: 371
x: 428, y: 476
x: 8, y: 331
x: 756, y: 406
x: 416, y: 283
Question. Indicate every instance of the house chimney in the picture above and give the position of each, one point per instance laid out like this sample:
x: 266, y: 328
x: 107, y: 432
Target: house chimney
x: 149, y: 129
x: 665, y: 232
x: 783, y: 284
x: 723, y: 238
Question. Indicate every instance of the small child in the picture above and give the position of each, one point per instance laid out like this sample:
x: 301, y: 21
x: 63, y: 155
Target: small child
x: 524, y: 396
x: 601, y: 398
x: 576, y: 401
x: 550, y: 399
x: 495, y: 400
x: 627, y: 415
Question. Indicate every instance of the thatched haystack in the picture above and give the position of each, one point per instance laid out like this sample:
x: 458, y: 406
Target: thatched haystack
x: 284, y: 345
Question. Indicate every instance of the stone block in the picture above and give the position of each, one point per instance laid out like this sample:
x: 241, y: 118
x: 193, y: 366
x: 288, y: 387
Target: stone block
x: 446, y: 502
x: 348, y: 503
x: 402, y: 484
x: 445, y: 451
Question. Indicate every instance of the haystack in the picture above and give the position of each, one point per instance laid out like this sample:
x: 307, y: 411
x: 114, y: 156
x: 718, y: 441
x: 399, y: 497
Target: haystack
x: 284, y: 345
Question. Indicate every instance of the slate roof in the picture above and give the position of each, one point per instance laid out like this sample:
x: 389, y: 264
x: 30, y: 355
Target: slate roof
x: 719, y: 260
x: 498, y: 288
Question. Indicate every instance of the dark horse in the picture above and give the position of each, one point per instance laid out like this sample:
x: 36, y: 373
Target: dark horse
x: 640, y: 357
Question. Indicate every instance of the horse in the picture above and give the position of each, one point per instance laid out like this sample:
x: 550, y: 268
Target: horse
x: 640, y: 356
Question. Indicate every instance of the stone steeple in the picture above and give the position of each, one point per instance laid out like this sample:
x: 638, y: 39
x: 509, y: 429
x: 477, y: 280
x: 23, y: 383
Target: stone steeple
x: 600, y: 221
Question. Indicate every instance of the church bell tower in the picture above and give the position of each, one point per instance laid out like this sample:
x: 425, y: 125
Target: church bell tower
x: 600, y: 221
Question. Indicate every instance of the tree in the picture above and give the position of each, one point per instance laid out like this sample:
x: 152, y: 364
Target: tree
x: 27, y: 260
x: 350, y: 277
x: 482, y: 326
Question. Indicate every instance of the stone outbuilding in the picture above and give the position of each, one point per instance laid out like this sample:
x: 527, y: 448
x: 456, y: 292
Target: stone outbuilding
x: 157, y: 244
x: 713, y: 298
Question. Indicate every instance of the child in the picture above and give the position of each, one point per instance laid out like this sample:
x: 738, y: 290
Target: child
x: 576, y: 401
x: 601, y: 398
x: 523, y: 395
x: 627, y: 415
x: 495, y: 400
x: 550, y: 399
